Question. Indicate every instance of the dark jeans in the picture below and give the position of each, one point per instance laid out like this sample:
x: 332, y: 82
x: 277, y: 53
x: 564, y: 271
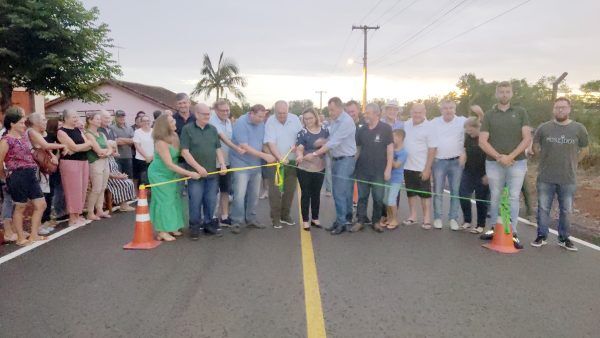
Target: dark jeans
x: 564, y: 194
x: 310, y: 186
x: 54, y: 181
x: 281, y: 202
x: 364, y: 191
x: 140, y: 171
x: 202, y: 200
x: 470, y: 183
x: 126, y: 166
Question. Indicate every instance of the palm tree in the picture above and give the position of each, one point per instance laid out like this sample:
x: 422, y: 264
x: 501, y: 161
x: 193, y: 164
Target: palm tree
x: 224, y: 77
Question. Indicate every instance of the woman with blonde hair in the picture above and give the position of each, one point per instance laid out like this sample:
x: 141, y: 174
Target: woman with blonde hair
x: 166, y: 210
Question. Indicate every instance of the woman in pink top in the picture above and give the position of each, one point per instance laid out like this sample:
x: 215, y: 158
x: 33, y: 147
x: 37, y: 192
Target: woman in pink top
x: 20, y: 172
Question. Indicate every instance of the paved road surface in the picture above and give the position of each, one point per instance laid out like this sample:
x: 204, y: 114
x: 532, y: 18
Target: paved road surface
x: 406, y: 283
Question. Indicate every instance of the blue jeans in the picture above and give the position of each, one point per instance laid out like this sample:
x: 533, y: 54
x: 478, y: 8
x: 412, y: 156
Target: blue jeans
x: 452, y: 170
x: 202, y: 195
x: 499, y: 177
x: 564, y: 194
x: 246, y: 187
x: 343, y: 185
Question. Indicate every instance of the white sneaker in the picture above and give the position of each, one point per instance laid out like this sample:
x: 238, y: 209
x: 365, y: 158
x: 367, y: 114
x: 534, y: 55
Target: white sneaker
x: 437, y: 224
x: 454, y: 225
x: 466, y: 226
x: 44, y: 230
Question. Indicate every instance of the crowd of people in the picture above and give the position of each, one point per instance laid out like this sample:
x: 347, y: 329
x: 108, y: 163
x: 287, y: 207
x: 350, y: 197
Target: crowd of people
x: 377, y: 153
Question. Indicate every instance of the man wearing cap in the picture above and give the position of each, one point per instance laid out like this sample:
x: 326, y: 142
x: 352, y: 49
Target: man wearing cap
x: 391, y: 115
x: 124, y: 138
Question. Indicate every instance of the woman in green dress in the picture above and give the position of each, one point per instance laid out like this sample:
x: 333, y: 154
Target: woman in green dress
x: 166, y: 210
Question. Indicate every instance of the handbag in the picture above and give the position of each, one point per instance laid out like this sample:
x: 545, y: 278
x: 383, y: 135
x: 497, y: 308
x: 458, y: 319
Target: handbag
x: 43, y: 158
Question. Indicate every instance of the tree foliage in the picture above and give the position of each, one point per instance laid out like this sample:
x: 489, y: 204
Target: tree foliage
x: 54, y: 47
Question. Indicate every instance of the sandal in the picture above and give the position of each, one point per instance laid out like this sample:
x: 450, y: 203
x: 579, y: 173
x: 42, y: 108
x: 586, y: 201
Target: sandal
x: 316, y: 225
x: 23, y: 243
x: 426, y: 226
x: 165, y: 236
x: 38, y: 239
x: 306, y: 226
x: 176, y: 233
x: 391, y: 226
x: 408, y: 222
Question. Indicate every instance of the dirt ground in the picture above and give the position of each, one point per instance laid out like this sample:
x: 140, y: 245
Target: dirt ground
x: 585, y: 221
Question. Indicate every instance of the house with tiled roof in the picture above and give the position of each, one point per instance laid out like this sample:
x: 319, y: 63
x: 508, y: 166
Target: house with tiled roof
x: 122, y: 95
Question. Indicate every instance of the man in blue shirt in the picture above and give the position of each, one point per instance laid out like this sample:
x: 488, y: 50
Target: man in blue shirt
x: 342, y: 148
x: 248, y: 134
x: 281, y: 131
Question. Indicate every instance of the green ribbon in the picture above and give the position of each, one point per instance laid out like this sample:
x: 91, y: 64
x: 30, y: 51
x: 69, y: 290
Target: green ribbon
x: 505, y: 210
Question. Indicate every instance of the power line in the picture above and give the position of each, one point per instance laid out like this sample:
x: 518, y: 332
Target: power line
x: 371, y: 11
x: 390, y: 9
x: 460, y: 34
x: 415, y: 35
x: 337, y: 60
x: 400, y: 12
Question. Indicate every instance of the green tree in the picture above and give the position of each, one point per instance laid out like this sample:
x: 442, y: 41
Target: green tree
x: 226, y: 77
x: 298, y: 106
x: 53, y: 47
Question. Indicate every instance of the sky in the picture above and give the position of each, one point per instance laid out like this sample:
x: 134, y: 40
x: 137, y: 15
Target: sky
x: 290, y: 49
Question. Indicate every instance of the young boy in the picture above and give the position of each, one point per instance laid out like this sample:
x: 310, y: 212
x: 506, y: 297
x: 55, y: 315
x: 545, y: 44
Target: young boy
x: 396, y: 181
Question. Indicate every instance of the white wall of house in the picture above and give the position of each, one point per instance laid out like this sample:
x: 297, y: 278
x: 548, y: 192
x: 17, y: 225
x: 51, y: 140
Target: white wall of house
x: 119, y: 99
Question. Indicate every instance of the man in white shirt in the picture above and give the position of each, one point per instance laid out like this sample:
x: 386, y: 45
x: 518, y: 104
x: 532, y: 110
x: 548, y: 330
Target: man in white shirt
x: 281, y: 131
x: 449, y: 161
x: 420, y: 145
x: 220, y: 120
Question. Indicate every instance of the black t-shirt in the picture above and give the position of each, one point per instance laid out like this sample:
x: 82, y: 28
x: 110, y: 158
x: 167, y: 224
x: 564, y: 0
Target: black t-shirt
x: 373, y: 144
x: 475, y: 164
x: 77, y: 136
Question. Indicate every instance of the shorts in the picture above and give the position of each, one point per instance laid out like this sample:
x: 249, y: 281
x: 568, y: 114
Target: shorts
x: 391, y: 193
x: 23, y: 185
x: 7, y: 205
x: 225, y: 183
x: 415, y: 186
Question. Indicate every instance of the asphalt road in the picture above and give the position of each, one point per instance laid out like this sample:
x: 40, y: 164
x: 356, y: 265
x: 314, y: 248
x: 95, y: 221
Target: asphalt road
x: 405, y: 283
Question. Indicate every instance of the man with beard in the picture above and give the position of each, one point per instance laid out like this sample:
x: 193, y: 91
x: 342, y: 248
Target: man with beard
x: 561, y: 143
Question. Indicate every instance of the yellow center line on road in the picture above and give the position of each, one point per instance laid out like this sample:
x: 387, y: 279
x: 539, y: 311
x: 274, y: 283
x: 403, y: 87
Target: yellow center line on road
x: 315, y: 322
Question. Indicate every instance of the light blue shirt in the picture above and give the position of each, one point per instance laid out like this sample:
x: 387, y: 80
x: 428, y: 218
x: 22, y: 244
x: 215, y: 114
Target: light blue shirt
x: 398, y: 124
x: 342, y: 136
x: 224, y: 128
x: 251, y: 134
x: 283, y: 135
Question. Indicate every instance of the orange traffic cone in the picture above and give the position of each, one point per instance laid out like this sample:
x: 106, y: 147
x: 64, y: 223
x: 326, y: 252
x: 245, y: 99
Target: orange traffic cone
x: 143, y: 236
x: 502, y: 242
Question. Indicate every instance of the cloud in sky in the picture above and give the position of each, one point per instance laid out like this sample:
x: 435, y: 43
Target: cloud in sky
x: 288, y: 49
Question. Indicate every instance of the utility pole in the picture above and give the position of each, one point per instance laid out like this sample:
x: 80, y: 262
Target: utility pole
x: 320, y: 92
x: 555, y: 85
x: 365, y: 30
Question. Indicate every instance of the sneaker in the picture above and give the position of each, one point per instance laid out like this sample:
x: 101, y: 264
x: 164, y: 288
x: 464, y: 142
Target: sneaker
x: 256, y: 225
x: 377, y: 227
x: 287, y: 221
x: 194, y: 233
x: 466, y: 226
x: 357, y: 227
x: 477, y: 230
x: 437, y: 224
x: 44, y: 230
x: 226, y: 222
x: 235, y: 229
x: 213, y: 230
x: 567, y: 244
x: 539, y: 241
x: 277, y: 225
x: 488, y: 235
x: 517, y: 243
x: 454, y: 225
x: 338, y: 229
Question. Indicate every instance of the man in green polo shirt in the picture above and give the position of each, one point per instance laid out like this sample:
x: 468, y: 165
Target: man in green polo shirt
x: 505, y: 134
x: 201, y: 149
